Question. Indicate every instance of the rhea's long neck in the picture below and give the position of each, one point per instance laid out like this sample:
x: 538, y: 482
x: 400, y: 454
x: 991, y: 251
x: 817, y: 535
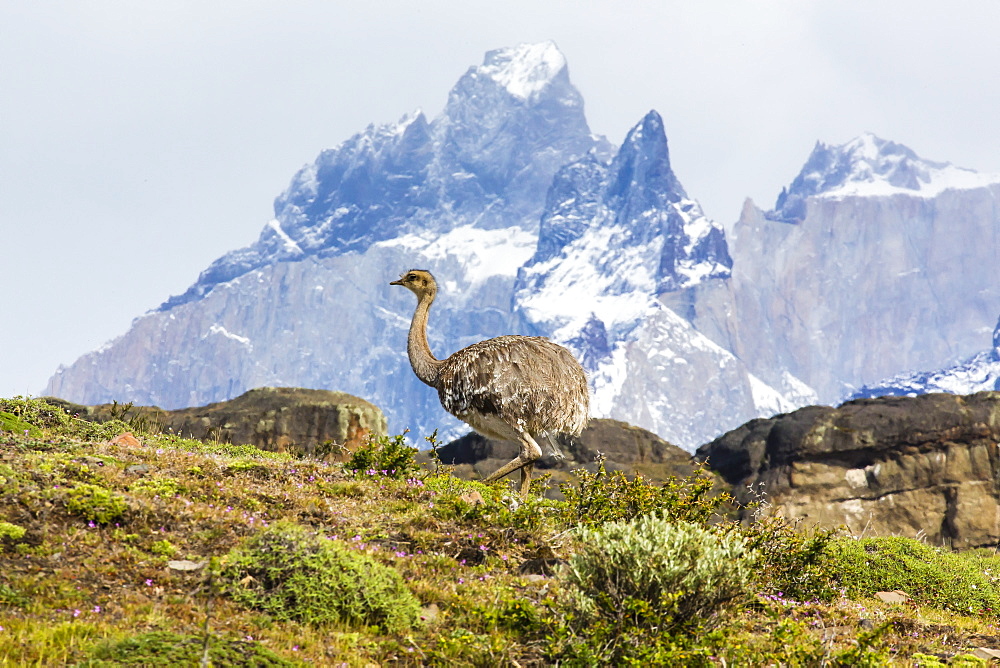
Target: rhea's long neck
x: 424, y: 364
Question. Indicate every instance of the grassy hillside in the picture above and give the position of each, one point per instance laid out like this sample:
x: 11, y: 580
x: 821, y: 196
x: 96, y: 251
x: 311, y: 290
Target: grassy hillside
x: 157, y: 550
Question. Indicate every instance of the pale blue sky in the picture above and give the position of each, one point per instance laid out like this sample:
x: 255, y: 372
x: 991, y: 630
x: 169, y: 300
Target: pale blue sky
x: 140, y: 141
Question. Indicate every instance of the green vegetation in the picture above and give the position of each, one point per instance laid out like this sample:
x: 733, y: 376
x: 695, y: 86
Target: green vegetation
x: 384, y: 456
x: 162, y: 648
x: 176, y: 550
x: 641, y: 586
x: 293, y: 574
x: 10, y: 422
x: 96, y: 504
x: 11, y: 531
x: 964, y: 583
x: 676, y: 575
x: 602, y: 497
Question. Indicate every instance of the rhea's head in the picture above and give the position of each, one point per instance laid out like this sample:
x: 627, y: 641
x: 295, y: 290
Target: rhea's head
x: 419, y: 281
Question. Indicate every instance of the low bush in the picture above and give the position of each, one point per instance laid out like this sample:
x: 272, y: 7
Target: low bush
x: 36, y: 415
x: 677, y: 573
x: 96, y: 504
x: 384, y: 456
x: 602, y: 497
x: 36, y: 412
x: 293, y: 574
x: 794, y: 562
x: 649, y: 583
x: 10, y: 422
x: 11, y: 531
x: 162, y: 648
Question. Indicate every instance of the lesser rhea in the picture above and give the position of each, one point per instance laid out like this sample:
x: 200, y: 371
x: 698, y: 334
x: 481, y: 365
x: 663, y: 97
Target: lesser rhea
x: 511, y: 388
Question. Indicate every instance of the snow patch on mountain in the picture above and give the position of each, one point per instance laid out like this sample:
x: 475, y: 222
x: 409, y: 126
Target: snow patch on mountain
x: 219, y: 329
x: 482, y: 254
x: 617, y: 236
x: 485, y: 162
x: 525, y: 70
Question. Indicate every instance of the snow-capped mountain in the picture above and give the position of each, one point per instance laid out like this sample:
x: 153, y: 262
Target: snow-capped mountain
x: 507, y: 178
x: 309, y: 303
x: 979, y: 373
x: 873, y: 261
x: 533, y: 225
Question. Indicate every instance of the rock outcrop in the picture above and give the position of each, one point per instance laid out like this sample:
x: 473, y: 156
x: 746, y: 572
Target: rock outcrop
x: 912, y: 466
x: 624, y: 447
x: 271, y: 418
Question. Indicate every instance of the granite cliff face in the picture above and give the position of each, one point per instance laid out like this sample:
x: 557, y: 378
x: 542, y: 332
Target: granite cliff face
x: 874, y: 262
x: 979, y: 373
x: 923, y: 466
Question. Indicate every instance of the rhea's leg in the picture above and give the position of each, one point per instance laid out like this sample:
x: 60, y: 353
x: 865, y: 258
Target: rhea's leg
x: 525, y: 461
x: 526, y: 480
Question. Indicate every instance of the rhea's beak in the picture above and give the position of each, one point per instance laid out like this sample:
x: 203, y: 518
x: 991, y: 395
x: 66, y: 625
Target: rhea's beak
x: 399, y: 281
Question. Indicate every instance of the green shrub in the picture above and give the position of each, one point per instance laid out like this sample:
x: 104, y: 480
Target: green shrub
x: 164, y: 487
x: 602, y: 497
x: 10, y: 422
x: 96, y: 503
x: 163, y: 548
x: 930, y: 575
x: 10, y: 481
x: 36, y: 412
x: 673, y: 575
x: 384, y: 456
x: 793, y: 562
x: 11, y: 597
x: 40, y: 414
x: 162, y: 648
x: 639, y: 592
x: 488, y: 505
x: 293, y: 574
x: 12, y: 531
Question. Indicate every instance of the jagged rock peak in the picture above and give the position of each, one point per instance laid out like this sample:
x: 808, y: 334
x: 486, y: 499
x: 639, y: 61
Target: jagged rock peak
x: 524, y: 70
x: 996, y: 341
x: 485, y: 161
x: 870, y: 166
x: 615, y: 237
x: 644, y: 159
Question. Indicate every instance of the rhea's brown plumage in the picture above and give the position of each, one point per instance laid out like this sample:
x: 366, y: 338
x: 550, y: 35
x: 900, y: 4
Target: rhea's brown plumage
x: 512, y: 388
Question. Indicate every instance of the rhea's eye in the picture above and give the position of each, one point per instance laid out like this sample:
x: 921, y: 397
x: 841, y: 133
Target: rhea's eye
x: 411, y: 277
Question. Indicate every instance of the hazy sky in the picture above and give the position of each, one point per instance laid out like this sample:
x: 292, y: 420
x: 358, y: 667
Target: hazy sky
x: 139, y: 141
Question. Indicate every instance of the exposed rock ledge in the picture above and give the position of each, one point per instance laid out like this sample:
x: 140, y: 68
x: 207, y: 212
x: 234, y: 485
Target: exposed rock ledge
x: 910, y: 466
x: 272, y: 418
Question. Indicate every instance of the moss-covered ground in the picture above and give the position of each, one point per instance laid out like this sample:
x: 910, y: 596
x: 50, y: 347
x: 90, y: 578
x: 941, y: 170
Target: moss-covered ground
x: 178, y: 552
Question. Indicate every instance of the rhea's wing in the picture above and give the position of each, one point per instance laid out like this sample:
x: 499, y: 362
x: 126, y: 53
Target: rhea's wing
x: 528, y: 382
